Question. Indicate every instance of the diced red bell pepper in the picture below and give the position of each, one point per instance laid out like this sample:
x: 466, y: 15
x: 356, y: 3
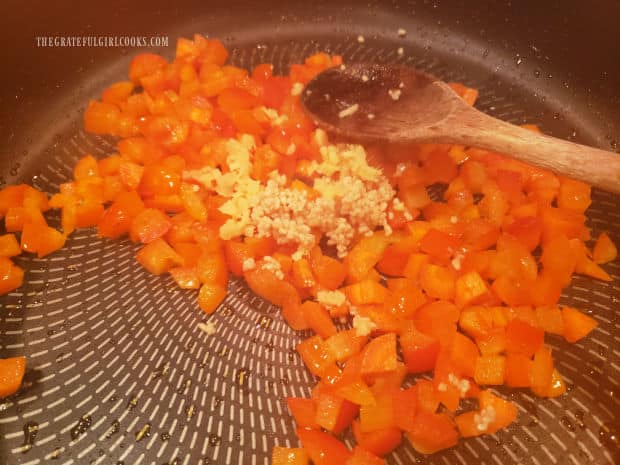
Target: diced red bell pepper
x: 379, y: 355
x: 577, y: 325
x: 11, y: 276
x: 379, y: 442
x: 303, y: 411
x: 432, y: 432
x: 419, y: 350
x: 323, y: 448
x: 12, y: 372
x: 158, y: 257
x: 289, y: 456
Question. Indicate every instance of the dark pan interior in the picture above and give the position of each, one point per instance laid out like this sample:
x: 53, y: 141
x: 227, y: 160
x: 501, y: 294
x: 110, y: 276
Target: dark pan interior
x: 113, y: 351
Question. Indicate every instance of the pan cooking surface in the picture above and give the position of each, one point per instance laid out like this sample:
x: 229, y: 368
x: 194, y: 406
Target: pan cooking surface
x: 120, y: 373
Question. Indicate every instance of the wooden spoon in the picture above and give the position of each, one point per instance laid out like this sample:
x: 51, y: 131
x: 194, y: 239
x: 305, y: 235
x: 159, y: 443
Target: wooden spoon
x: 397, y: 104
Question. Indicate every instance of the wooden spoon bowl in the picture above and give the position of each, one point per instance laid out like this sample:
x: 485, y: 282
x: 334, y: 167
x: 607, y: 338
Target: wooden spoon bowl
x: 398, y: 104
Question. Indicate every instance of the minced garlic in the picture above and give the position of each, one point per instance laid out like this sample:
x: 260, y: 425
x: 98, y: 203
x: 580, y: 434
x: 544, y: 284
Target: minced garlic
x: 333, y: 298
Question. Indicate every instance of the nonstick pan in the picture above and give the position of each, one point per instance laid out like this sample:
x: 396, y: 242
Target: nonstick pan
x: 118, y: 371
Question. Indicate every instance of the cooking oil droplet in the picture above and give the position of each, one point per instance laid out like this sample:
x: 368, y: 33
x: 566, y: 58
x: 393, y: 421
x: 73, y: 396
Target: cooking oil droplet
x: 519, y: 60
x: 56, y: 453
x: 214, y: 439
x: 536, y: 73
x: 81, y: 427
x: 131, y: 404
x: 566, y: 423
x: 165, y: 436
x: 264, y: 322
x: 31, y: 429
x: 189, y: 411
x: 608, y: 434
x: 579, y: 417
x: 114, y: 428
x: 145, y: 431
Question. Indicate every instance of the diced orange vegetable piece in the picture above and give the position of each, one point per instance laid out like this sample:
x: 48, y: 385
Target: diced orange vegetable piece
x: 550, y: 319
x: 437, y: 281
x: 318, y: 319
x: 363, y: 457
x: 289, y: 456
x: 604, y: 250
x: 117, y: 219
x: 505, y: 412
x: 11, y: 197
x: 380, y: 442
x: 148, y: 225
x: 323, y: 448
x: 294, y: 315
x: 432, y: 432
x: 328, y: 272
x: 158, y: 257
x: 577, y: 325
x: 523, y: 338
x: 302, y: 274
x: 236, y: 254
x: 541, y: 371
x: 12, y: 372
x: 9, y: 247
x: 557, y: 386
x: 404, y: 302
x: 193, y: 203
x: 268, y: 286
x: 353, y: 388
x: 574, y: 195
x: 365, y: 255
x: 185, y: 278
x: 50, y: 240
x: 334, y: 413
x: 404, y: 407
x: 518, y: 367
x: 11, y: 276
x: 559, y: 258
x: 345, y: 344
x: 470, y: 288
x: 493, y: 342
x: 377, y: 416
x: 464, y: 355
x: 490, y: 370
x: 303, y: 411
x: 467, y: 424
x: 439, y: 245
x: 210, y: 297
x: 379, y: 355
x: 145, y: 64
x: 316, y: 355
x: 414, y: 265
x: 366, y: 292
x: 419, y: 350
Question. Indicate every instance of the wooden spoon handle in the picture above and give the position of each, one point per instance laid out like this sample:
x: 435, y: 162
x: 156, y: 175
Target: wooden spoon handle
x: 597, y: 167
